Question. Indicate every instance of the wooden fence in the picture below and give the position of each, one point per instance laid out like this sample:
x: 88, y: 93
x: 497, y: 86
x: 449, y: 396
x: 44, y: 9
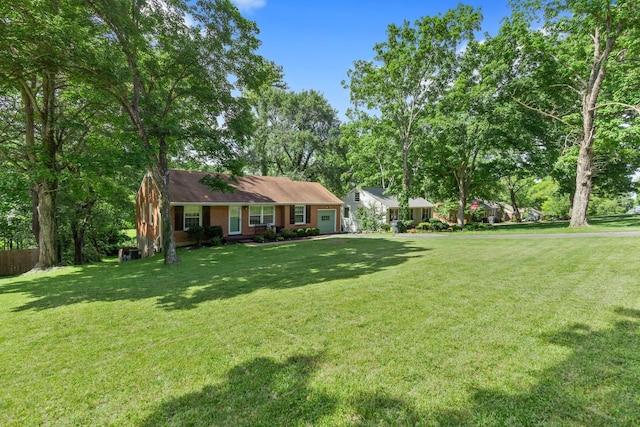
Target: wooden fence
x: 17, y: 262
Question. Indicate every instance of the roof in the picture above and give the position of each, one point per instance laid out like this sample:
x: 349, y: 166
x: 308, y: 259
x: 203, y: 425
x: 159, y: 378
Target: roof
x: 185, y: 187
x: 392, y: 201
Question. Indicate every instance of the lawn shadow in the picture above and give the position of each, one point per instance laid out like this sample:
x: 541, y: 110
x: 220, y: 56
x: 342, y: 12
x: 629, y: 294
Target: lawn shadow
x: 213, y: 273
x: 597, y: 385
x: 261, y: 392
x: 264, y: 392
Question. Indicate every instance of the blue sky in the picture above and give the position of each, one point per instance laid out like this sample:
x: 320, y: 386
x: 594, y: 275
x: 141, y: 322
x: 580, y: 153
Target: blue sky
x: 317, y: 41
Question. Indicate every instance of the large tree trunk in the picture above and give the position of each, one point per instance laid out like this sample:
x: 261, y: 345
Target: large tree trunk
x: 514, y: 204
x: 403, y: 199
x: 584, y: 172
x: 161, y: 177
x: 79, y: 228
x: 47, y: 224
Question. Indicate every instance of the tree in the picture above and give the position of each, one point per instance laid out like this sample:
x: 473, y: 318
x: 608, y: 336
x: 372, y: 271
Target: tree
x: 38, y: 43
x: 590, y: 46
x: 177, y: 69
x: 406, y: 78
x: 297, y: 135
x: 462, y: 145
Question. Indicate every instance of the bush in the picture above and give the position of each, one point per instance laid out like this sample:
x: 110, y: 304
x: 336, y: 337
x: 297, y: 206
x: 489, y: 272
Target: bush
x: 270, y: 235
x: 424, y: 226
x: 438, y: 225
x: 407, y: 224
x: 385, y: 227
x: 259, y: 239
x: 213, y: 231
x: 279, y: 238
x: 301, y: 232
x: 196, y: 232
x: 288, y: 233
x: 456, y: 228
x: 471, y: 227
x: 217, y: 241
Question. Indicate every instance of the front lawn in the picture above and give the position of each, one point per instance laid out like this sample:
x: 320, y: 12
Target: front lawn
x: 336, y: 332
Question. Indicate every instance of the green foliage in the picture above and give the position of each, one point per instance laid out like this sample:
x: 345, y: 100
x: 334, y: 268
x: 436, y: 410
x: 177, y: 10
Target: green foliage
x: 393, y: 104
x: 289, y: 233
x: 557, y: 207
x: 602, y: 206
x: 438, y: 225
x: 213, y: 231
x: 297, y: 135
x: 424, y: 226
x: 447, y: 209
x: 270, y: 235
x: 301, y: 232
x: 259, y: 239
x: 369, y: 218
x: 217, y: 241
x: 196, y: 232
x: 475, y: 215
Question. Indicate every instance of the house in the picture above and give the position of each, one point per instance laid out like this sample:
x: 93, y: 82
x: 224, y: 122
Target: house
x: 255, y: 204
x: 385, y: 207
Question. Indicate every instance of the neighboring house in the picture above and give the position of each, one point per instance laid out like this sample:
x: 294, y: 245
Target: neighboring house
x: 385, y: 206
x: 258, y: 203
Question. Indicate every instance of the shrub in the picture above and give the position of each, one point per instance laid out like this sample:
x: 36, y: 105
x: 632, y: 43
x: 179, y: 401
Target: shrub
x: 196, y: 232
x: 259, y: 239
x: 424, y: 226
x: 270, y: 235
x: 385, y: 227
x: 456, y: 228
x: 471, y: 227
x: 301, y: 232
x: 279, y: 238
x: 213, y: 231
x: 438, y: 225
x: 217, y: 241
x: 407, y: 224
x: 288, y: 233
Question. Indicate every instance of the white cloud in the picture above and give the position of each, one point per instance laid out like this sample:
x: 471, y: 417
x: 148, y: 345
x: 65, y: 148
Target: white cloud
x: 248, y: 5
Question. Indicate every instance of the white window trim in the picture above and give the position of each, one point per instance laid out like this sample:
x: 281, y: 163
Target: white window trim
x: 262, y: 215
x: 184, y: 216
x: 304, y: 214
x: 150, y: 213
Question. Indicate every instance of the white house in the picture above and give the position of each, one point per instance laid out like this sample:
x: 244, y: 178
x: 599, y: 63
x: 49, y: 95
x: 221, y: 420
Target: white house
x: 384, y: 205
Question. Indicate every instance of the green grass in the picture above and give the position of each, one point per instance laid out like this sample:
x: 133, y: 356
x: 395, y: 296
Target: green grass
x: 614, y: 223
x: 336, y: 332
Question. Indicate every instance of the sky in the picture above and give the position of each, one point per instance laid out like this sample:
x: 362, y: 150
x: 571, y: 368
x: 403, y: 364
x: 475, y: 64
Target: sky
x: 317, y: 41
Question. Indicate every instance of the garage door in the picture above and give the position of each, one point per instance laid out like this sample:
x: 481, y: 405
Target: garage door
x: 327, y: 221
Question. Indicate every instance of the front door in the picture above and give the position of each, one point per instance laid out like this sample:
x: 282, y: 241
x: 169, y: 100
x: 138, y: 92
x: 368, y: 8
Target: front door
x: 327, y: 221
x: 235, y: 220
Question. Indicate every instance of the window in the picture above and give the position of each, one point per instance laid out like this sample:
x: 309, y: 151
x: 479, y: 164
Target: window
x: 357, y: 196
x: 261, y: 215
x: 300, y: 217
x: 150, y: 213
x: 346, y: 211
x: 192, y: 216
x: 144, y: 212
x: 393, y: 214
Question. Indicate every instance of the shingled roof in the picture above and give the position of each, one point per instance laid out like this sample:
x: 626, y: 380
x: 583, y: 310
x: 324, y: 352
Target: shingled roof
x: 392, y: 202
x: 185, y: 187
